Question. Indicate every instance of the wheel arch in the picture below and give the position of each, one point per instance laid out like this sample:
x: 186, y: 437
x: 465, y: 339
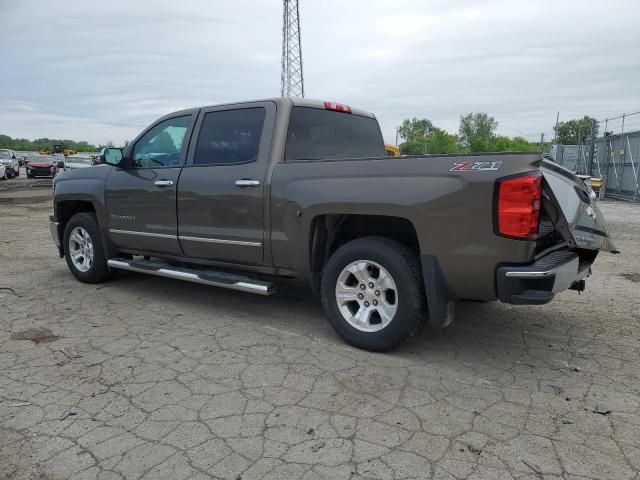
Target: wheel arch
x: 328, y: 232
x: 66, y: 208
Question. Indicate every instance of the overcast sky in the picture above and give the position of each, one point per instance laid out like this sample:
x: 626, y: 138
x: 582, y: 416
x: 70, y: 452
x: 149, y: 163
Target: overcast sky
x: 99, y: 70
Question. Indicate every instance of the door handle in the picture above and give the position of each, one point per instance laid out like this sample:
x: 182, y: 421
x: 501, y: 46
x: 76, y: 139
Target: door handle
x: 246, y: 182
x: 163, y: 183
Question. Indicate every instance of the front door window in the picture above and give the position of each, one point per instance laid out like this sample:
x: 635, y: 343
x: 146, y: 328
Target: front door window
x: 161, y: 146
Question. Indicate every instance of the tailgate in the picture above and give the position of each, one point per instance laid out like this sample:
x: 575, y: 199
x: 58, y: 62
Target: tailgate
x: 573, y: 210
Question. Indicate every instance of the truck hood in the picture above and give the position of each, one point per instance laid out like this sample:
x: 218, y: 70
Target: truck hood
x: 573, y: 209
x: 98, y: 172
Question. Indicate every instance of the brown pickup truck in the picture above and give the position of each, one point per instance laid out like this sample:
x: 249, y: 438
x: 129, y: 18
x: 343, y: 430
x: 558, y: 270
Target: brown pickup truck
x: 239, y: 195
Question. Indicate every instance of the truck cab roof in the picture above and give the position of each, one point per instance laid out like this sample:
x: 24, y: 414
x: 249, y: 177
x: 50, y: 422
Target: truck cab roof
x: 284, y: 102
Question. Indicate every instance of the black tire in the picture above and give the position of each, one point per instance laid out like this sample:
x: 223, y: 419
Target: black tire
x: 18, y: 172
x: 98, y: 272
x: 402, y: 264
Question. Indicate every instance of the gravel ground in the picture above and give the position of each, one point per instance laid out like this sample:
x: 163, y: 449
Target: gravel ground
x: 145, y: 377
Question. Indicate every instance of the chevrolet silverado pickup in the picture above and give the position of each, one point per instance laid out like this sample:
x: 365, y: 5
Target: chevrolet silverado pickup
x: 240, y: 195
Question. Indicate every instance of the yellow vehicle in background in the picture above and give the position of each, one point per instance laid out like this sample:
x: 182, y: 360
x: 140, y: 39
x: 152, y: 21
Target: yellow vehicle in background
x: 392, y: 150
x: 59, y: 148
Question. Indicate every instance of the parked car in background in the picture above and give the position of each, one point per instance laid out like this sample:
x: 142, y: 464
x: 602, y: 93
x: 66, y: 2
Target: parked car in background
x: 3, y: 172
x: 74, y: 162
x: 60, y: 159
x: 9, y: 159
x: 42, y: 166
x: 22, y: 159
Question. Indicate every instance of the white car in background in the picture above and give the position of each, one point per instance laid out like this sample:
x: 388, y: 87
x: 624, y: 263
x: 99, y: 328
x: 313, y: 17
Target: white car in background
x: 9, y: 160
x: 75, y: 162
x: 3, y: 172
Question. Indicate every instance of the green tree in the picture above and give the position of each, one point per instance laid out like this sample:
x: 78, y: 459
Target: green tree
x: 22, y: 144
x: 477, y: 132
x: 440, y: 141
x: 422, y: 136
x: 415, y: 129
x: 412, y: 147
x: 573, y: 131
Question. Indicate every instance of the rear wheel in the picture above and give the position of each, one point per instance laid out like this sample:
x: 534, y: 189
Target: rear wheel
x: 83, y: 249
x: 372, y: 293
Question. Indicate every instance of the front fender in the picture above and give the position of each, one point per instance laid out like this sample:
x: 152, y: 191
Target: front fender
x: 86, y: 185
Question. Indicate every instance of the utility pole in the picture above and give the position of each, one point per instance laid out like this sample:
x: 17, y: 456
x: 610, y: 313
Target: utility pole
x: 291, y: 77
x: 555, y: 137
x: 426, y: 135
x: 592, y: 147
x: 542, y: 142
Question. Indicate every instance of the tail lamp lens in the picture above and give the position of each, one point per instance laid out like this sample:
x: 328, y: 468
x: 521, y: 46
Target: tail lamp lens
x: 337, y: 107
x: 519, y: 206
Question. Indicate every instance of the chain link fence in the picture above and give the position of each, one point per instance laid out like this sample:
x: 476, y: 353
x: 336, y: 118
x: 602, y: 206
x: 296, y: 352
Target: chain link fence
x: 614, y: 157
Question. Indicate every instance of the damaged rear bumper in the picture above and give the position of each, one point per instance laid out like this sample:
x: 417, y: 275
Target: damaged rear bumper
x: 537, y: 283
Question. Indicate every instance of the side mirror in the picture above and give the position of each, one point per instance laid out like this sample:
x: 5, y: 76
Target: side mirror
x: 111, y: 156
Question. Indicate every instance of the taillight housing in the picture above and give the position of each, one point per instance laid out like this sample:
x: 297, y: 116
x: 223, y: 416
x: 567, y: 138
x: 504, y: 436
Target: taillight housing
x: 518, y: 206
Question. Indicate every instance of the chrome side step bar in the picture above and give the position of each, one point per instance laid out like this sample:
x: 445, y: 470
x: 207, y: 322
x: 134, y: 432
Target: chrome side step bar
x: 205, y: 277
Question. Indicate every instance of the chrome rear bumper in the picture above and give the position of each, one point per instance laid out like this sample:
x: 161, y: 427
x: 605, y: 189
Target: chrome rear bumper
x: 539, y: 282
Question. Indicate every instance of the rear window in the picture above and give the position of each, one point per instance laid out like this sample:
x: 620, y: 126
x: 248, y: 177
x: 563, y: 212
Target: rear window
x: 316, y: 134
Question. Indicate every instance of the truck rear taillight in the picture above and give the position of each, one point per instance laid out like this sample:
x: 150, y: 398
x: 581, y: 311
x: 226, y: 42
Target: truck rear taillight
x: 337, y: 107
x: 519, y: 206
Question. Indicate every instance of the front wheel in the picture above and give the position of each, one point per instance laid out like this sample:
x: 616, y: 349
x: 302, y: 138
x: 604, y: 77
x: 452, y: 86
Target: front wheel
x: 83, y: 249
x: 372, y: 293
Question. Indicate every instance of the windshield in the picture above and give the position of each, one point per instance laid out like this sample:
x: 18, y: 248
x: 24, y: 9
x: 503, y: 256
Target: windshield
x: 4, y: 154
x: 83, y: 160
x: 41, y: 158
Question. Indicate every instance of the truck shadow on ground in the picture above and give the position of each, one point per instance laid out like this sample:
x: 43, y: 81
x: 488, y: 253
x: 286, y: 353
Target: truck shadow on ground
x: 478, y: 326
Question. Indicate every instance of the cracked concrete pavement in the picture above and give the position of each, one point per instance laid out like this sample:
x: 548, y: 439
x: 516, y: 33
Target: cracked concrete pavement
x: 151, y: 378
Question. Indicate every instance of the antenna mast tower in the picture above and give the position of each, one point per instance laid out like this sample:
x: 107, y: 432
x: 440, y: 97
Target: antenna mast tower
x: 291, y: 78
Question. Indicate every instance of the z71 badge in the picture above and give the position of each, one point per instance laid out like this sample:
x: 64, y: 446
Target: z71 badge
x: 475, y: 166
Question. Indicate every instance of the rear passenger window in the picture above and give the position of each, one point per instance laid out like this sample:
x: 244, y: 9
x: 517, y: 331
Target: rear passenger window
x: 230, y: 136
x: 316, y: 134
